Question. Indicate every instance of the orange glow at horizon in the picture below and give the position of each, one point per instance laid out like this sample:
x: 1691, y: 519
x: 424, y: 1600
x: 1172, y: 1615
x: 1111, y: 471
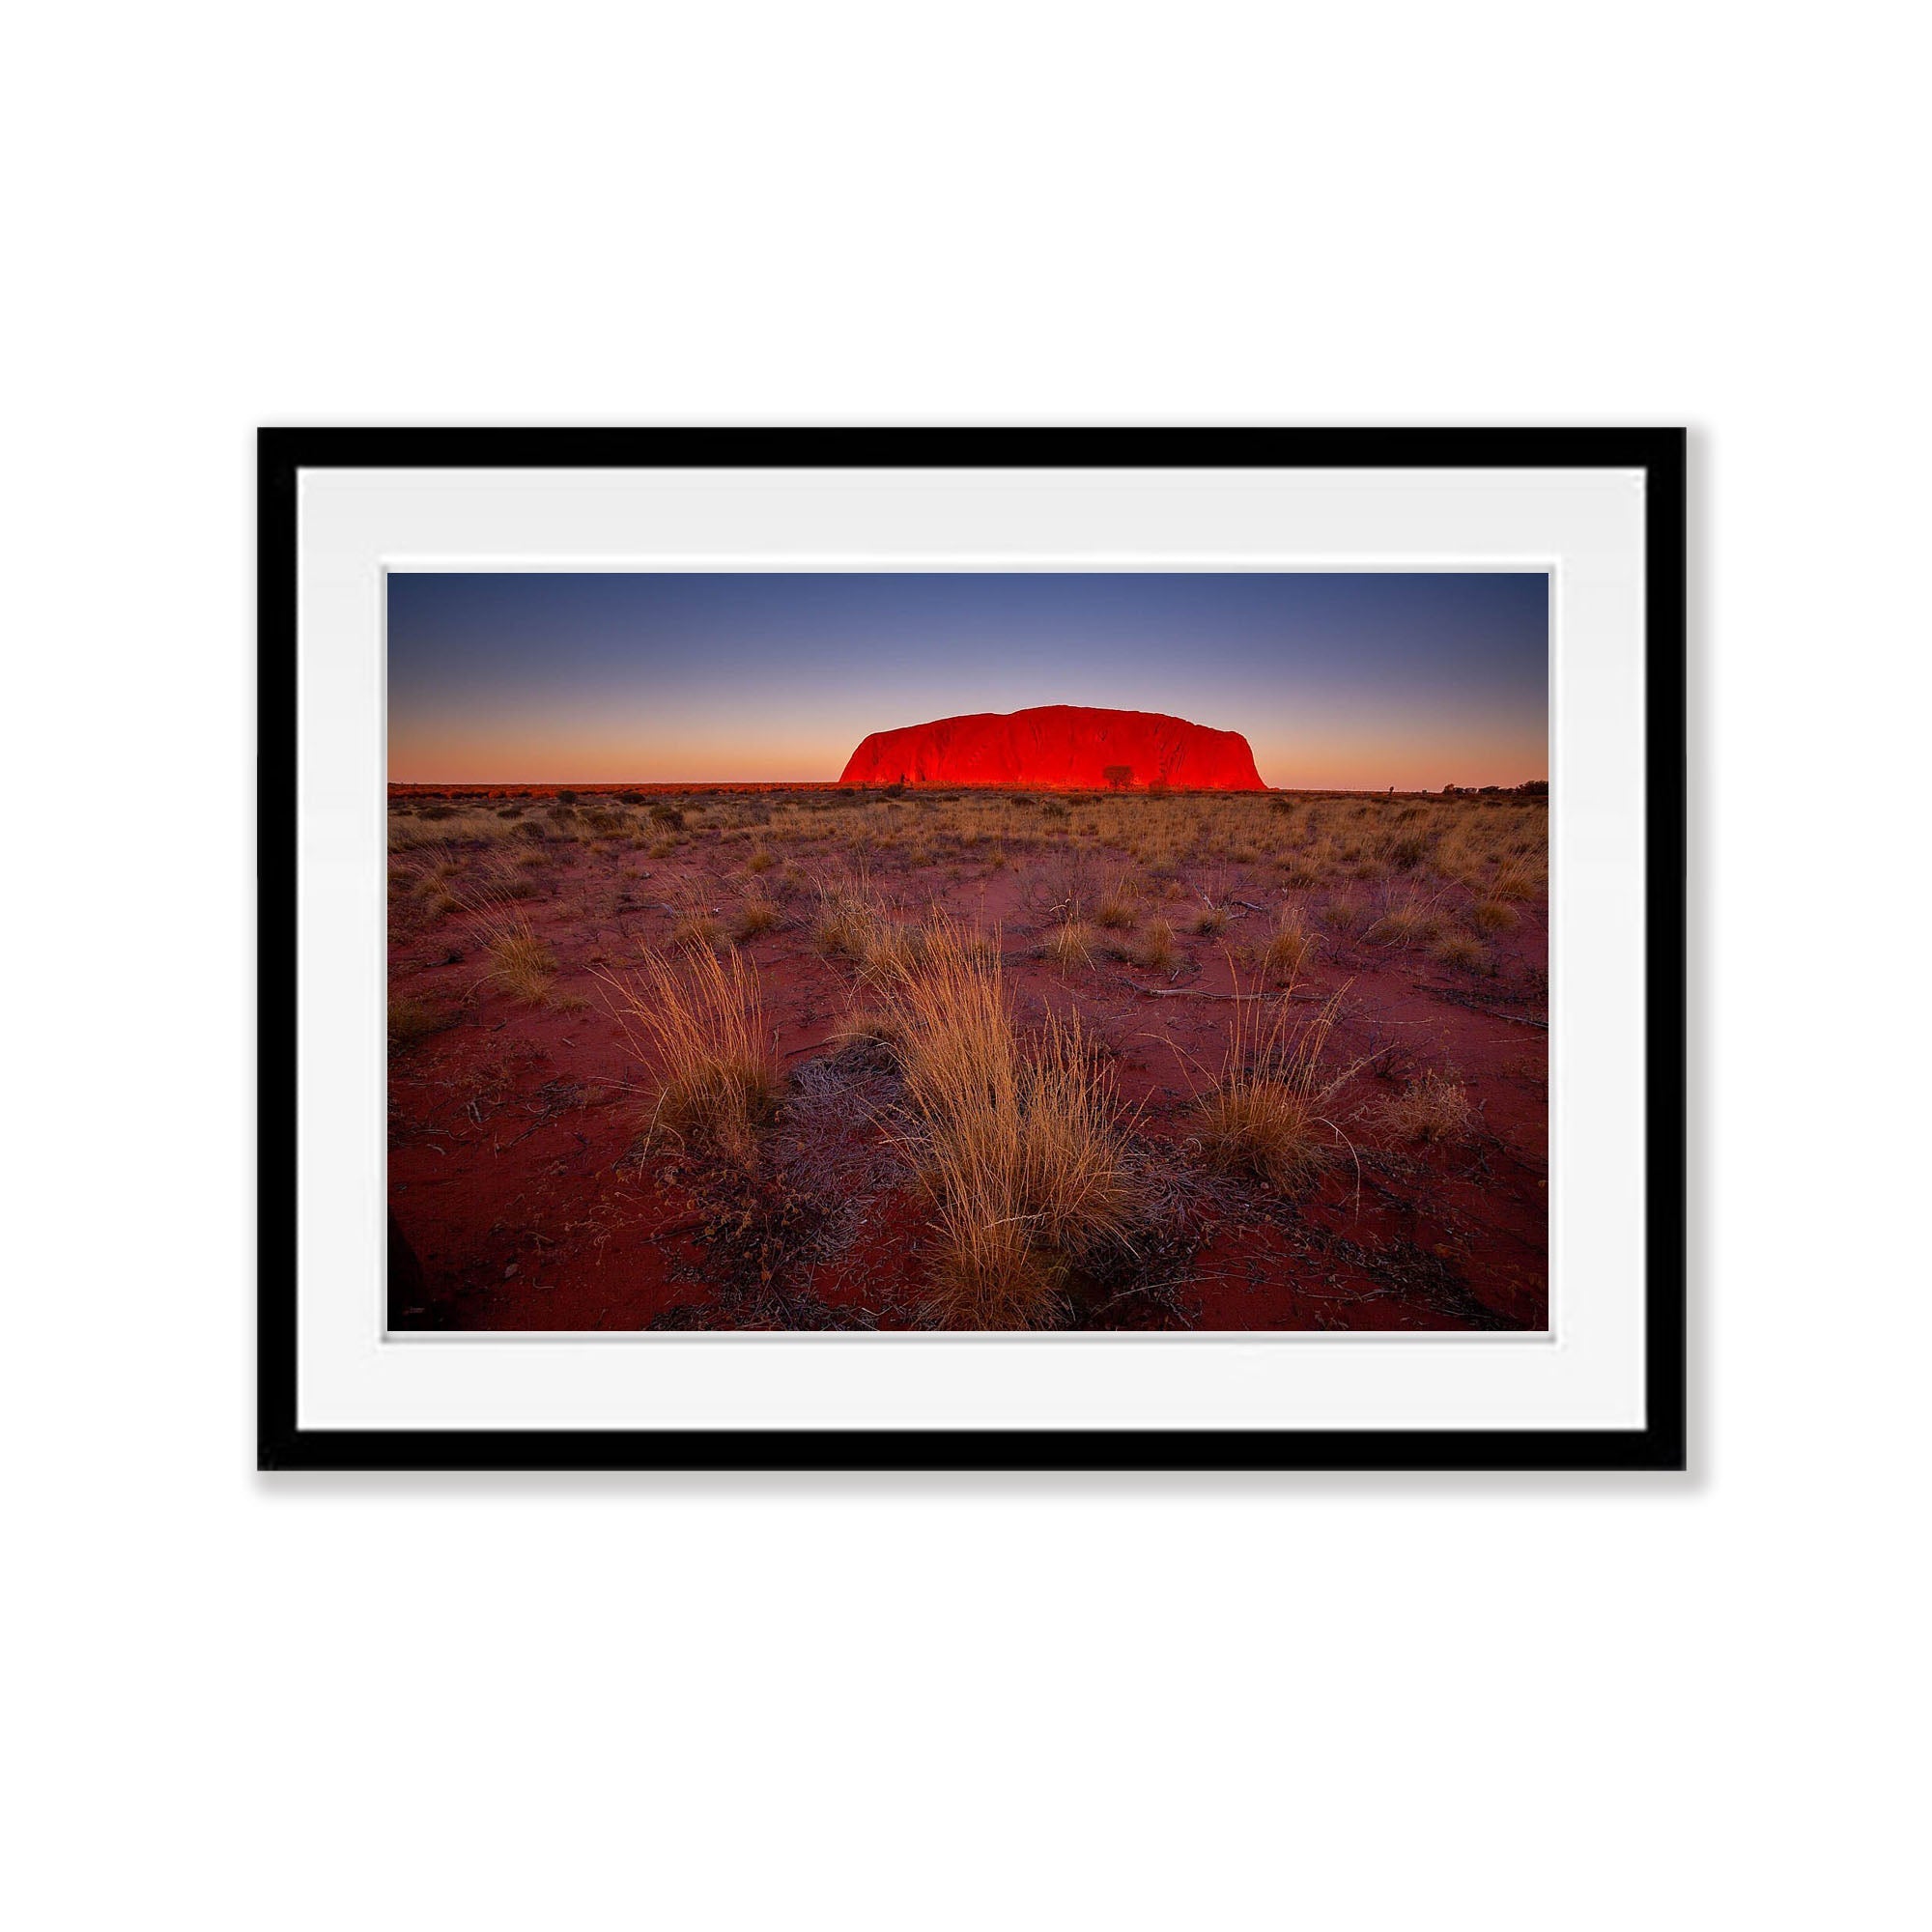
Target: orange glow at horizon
x: 1300, y: 759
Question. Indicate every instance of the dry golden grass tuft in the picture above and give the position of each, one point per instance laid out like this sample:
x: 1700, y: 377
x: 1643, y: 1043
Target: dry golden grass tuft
x: 696, y: 1024
x: 1406, y: 921
x: 413, y: 1018
x: 699, y: 931
x: 1460, y: 949
x: 1289, y: 948
x: 1406, y: 850
x: 440, y: 826
x: 1268, y: 1114
x: 1432, y: 1110
x: 1158, y: 949
x: 1211, y: 920
x: 1493, y: 916
x: 1518, y: 879
x: 838, y: 932
x: 871, y: 1033
x: 1119, y: 906
x: 889, y: 947
x: 1014, y: 1140
x: 1070, y: 947
x: 754, y: 916
x: 520, y: 964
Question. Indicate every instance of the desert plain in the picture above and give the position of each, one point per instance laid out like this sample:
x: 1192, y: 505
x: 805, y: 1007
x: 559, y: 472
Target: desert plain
x: 916, y: 1058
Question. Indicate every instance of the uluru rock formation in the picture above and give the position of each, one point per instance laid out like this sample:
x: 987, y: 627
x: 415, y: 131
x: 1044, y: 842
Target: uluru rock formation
x: 1058, y: 747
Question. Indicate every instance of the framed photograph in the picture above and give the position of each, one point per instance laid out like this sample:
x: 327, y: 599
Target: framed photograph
x: 972, y: 949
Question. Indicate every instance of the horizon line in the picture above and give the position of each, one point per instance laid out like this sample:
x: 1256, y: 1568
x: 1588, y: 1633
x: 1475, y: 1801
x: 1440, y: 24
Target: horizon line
x: 919, y: 784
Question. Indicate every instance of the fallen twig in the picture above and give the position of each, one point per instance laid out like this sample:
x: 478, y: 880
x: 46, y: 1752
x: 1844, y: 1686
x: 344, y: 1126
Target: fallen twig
x: 1456, y: 996
x: 1202, y: 993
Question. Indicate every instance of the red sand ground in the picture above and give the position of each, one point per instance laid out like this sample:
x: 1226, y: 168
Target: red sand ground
x: 518, y: 1174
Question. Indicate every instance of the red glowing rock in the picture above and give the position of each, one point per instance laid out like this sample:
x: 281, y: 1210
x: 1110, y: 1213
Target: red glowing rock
x: 1058, y: 748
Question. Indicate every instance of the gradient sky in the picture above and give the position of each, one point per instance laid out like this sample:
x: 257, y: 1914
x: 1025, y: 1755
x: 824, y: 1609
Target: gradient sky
x: 1342, y: 680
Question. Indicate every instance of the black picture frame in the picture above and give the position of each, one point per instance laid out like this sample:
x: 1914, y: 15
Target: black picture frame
x: 1660, y: 1444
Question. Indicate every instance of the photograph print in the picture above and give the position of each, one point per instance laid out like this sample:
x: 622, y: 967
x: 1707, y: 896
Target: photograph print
x: 968, y: 952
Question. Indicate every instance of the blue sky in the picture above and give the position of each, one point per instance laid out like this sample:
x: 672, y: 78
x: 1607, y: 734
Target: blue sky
x: 1415, y: 680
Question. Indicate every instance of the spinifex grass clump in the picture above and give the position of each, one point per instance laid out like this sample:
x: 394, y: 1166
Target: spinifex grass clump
x: 1432, y: 1110
x: 697, y: 1023
x: 1517, y: 878
x: 839, y: 930
x: 1270, y: 1112
x: 520, y: 964
x: 1290, y: 947
x: 1460, y: 949
x: 1070, y: 947
x: 1014, y: 1138
x: 1157, y: 946
x: 1119, y: 906
x: 756, y: 915
x: 412, y: 1019
x: 1404, y: 920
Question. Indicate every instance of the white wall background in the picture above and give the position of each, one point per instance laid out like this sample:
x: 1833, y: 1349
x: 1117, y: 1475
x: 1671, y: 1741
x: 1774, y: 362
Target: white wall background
x: 1340, y: 1703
